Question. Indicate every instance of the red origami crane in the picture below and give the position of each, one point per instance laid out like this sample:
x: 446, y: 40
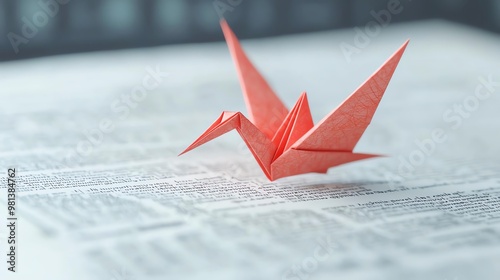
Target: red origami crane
x: 286, y: 143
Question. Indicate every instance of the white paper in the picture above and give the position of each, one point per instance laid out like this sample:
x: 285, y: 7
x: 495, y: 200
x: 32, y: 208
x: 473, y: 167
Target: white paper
x: 132, y: 209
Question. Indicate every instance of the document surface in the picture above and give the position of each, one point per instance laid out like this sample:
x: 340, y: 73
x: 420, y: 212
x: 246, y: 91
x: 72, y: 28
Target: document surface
x: 101, y: 193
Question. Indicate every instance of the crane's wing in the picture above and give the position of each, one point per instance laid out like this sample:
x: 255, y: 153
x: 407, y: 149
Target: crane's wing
x: 342, y: 128
x: 266, y: 111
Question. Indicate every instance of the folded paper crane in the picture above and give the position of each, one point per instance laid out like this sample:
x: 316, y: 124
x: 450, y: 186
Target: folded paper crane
x: 286, y: 143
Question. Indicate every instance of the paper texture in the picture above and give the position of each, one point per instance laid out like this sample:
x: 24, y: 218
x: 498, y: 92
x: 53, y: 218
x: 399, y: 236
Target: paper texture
x: 103, y: 195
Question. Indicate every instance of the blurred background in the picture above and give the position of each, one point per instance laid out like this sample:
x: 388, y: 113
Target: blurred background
x: 34, y: 28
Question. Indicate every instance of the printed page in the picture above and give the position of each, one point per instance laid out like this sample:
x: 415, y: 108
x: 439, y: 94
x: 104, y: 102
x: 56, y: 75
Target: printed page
x: 101, y: 193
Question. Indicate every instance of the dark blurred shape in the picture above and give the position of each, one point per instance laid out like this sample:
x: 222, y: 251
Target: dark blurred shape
x: 45, y: 27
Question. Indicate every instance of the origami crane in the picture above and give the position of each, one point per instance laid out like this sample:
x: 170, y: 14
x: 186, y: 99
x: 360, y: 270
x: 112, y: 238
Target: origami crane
x: 286, y: 143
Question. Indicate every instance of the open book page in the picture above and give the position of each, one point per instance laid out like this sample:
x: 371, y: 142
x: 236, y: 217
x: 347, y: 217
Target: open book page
x: 101, y: 193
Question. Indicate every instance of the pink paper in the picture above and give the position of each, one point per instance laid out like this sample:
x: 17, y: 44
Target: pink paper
x: 286, y: 143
